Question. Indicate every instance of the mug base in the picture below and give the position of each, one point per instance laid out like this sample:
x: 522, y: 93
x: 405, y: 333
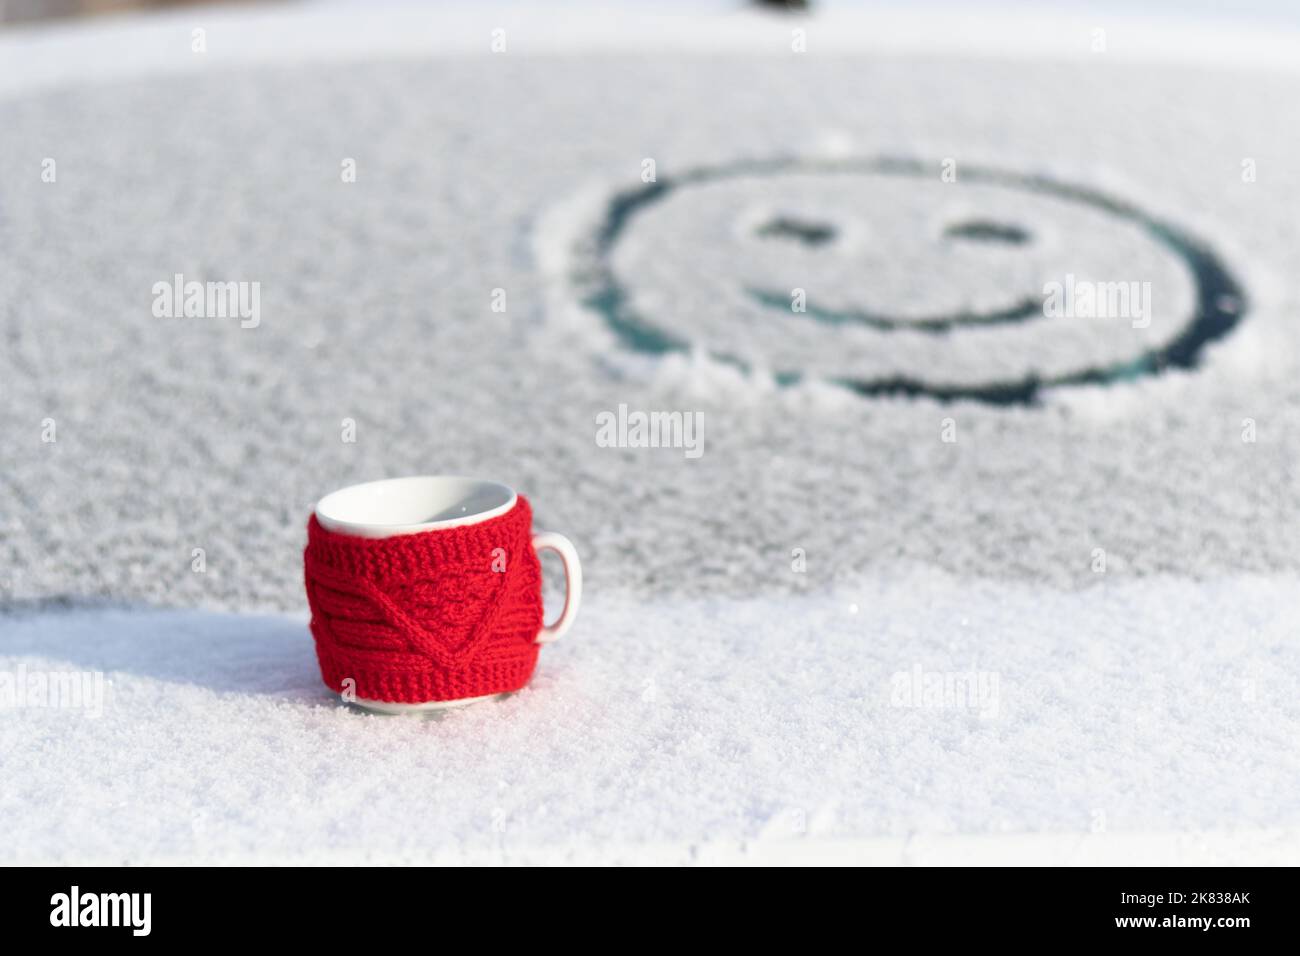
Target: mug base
x: 392, y: 707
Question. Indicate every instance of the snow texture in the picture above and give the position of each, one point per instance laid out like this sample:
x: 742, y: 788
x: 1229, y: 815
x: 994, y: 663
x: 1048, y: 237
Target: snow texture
x: 705, y: 726
x: 709, y: 692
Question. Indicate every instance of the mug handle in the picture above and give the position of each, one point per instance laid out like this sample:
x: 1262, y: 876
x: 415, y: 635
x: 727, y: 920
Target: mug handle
x: 550, y: 541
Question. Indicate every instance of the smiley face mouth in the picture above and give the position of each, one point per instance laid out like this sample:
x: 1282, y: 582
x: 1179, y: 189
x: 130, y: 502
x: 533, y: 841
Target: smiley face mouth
x: 1022, y: 311
x: 1219, y: 302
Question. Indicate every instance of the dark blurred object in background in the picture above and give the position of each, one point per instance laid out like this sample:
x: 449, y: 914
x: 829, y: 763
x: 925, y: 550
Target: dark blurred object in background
x: 13, y: 11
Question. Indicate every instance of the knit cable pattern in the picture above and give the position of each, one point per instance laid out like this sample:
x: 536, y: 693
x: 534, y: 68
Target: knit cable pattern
x: 427, y: 616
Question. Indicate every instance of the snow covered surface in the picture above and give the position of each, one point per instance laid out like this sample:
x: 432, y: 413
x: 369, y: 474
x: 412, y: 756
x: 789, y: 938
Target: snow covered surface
x: 712, y: 702
x: 1155, y: 717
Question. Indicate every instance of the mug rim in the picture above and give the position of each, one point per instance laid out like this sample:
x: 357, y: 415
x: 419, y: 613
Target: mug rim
x: 331, y: 513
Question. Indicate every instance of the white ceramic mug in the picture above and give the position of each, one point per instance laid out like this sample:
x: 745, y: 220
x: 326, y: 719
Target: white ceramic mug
x: 395, y: 506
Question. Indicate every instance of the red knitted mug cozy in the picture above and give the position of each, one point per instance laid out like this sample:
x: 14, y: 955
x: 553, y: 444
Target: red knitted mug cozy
x: 436, y: 615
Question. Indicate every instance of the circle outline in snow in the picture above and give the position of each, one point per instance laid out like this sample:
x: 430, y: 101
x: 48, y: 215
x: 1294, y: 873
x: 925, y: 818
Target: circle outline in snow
x: 1220, y: 302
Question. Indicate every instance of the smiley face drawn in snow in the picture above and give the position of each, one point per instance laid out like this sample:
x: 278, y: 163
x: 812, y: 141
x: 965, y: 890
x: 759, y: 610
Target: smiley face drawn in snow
x: 876, y: 275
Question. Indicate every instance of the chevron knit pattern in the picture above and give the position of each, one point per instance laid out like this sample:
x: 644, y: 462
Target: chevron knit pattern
x: 428, y: 616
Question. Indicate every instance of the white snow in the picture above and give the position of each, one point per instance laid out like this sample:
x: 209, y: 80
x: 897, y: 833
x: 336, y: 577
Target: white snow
x: 1156, y: 717
x: 159, y: 43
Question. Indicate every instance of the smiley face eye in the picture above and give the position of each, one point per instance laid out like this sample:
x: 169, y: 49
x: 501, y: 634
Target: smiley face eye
x: 984, y: 230
x: 806, y: 231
